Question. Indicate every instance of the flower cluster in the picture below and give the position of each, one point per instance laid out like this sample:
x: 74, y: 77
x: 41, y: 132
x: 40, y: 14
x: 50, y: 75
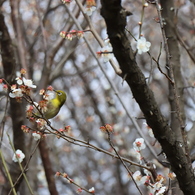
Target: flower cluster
x: 156, y: 188
x: 72, y: 34
x: 90, y: 7
x: 36, y: 135
x: 107, y: 51
x: 25, y: 129
x: 66, y: 129
x: 139, y: 145
x: 22, y: 87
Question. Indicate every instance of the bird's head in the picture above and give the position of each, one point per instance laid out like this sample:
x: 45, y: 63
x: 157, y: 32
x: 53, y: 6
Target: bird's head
x: 61, y: 96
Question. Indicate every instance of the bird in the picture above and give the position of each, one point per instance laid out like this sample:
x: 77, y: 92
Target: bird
x: 54, y: 105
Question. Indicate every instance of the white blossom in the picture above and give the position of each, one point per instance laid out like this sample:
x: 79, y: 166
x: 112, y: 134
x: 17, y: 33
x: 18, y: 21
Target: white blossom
x: 36, y: 136
x: 90, y: 10
x: 143, y: 45
x: 16, y: 93
x: 139, y: 179
x: 157, y: 188
x: 137, y: 176
x: 161, y: 191
x: 41, y: 123
x: 49, y: 95
x: 28, y: 83
x: 19, y: 80
x: 139, y: 144
x: 18, y: 156
x: 107, y: 51
x: 92, y: 189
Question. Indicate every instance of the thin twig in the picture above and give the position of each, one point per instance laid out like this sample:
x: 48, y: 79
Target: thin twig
x: 158, y: 65
x: 22, y: 169
x: 8, y: 174
x: 71, y: 181
x: 142, y: 17
x: 129, y: 172
x: 26, y: 166
x: 86, y: 144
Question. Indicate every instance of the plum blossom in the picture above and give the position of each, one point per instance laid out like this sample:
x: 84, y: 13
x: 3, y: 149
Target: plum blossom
x: 92, y: 190
x: 18, y: 156
x: 139, y: 179
x: 28, y: 83
x: 143, y: 45
x: 89, y: 10
x: 36, y: 136
x: 90, y: 7
x: 107, y: 51
x: 139, y: 144
x: 15, y: 93
x: 49, y: 96
x: 157, y: 188
x: 19, y: 80
x: 41, y: 123
x: 161, y: 190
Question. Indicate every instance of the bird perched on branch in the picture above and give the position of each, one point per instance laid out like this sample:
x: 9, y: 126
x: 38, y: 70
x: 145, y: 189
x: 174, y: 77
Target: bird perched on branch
x: 54, y: 105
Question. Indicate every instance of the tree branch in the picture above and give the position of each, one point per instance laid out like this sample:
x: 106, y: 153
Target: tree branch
x: 115, y: 18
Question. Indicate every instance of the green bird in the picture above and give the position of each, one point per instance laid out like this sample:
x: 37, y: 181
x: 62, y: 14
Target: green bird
x: 54, y: 105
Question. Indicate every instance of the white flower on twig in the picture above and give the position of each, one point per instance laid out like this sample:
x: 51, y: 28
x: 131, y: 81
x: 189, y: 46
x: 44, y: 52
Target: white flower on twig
x: 139, y: 144
x: 16, y: 93
x: 89, y: 10
x: 29, y: 83
x: 36, y: 136
x: 18, y: 156
x: 107, y: 51
x: 143, y: 45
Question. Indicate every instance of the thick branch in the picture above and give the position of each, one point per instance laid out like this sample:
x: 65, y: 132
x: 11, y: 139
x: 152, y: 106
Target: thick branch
x: 115, y: 17
x: 15, y: 107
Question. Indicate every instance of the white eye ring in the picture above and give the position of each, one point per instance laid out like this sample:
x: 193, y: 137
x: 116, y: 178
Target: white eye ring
x: 59, y: 93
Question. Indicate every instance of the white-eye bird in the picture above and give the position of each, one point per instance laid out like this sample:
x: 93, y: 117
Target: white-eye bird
x: 54, y: 105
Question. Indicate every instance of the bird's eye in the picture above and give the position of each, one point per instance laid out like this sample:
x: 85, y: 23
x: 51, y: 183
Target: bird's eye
x: 59, y: 93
